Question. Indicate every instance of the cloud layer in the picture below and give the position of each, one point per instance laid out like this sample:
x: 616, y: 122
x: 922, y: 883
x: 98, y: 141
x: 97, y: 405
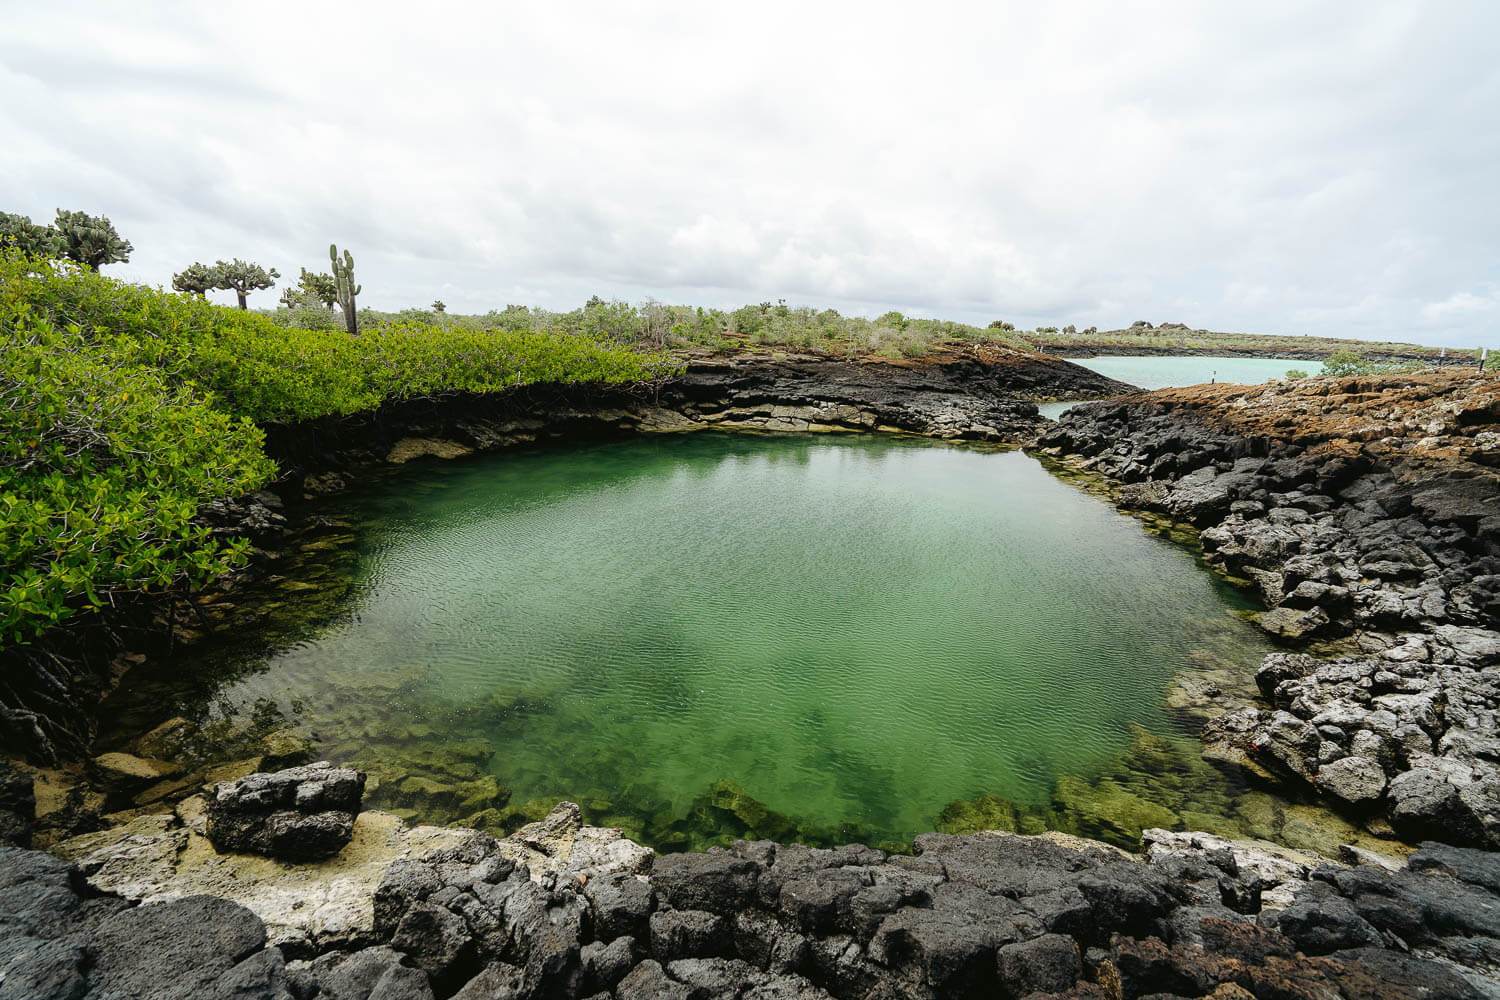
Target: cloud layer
x: 1275, y: 167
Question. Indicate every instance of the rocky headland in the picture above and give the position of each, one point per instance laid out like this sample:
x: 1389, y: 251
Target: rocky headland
x: 1366, y: 513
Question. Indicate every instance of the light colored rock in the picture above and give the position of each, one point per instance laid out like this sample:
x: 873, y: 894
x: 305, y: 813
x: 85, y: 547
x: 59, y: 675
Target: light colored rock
x: 415, y: 447
x: 1355, y: 780
x: 561, y: 845
x: 1281, y: 870
x: 325, y: 904
x: 130, y: 768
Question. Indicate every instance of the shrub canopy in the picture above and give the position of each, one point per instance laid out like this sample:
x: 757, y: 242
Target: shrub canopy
x: 125, y: 411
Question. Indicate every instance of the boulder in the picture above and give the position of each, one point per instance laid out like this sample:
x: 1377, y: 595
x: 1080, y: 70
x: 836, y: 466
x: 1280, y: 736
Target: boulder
x: 299, y: 814
x: 1357, y: 781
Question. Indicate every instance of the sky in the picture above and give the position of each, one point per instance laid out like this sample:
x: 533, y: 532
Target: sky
x: 1269, y: 167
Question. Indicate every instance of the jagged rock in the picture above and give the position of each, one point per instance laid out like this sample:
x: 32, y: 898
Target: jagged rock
x: 299, y: 814
x: 716, y: 880
x: 687, y: 934
x: 1046, y: 964
x: 369, y: 974
x: 1446, y: 799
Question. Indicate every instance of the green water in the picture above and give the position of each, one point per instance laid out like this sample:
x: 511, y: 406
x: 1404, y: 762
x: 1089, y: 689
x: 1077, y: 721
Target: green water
x: 854, y: 631
x: 1155, y: 372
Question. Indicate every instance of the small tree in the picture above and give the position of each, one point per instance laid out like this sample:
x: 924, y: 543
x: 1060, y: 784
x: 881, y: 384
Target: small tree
x: 91, y: 240
x: 320, y: 287
x: 31, y: 238
x: 195, y: 279
x: 290, y: 298
x: 438, y: 305
x: 243, y: 277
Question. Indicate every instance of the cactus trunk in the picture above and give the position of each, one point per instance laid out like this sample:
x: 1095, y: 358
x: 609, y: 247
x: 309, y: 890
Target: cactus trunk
x: 343, y: 277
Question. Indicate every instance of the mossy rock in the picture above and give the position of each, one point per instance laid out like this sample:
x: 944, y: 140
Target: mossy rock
x: 167, y: 741
x: 758, y: 819
x: 484, y: 793
x: 488, y: 820
x: 630, y: 826
x: 1109, y: 811
x: 987, y: 812
x: 530, y: 811
x: 427, y: 795
x: 285, y: 748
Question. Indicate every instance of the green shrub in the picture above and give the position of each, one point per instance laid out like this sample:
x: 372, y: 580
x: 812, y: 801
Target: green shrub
x: 125, y: 410
x: 1351, y: 363
x: 1295, y: 373
x: 103, y: 470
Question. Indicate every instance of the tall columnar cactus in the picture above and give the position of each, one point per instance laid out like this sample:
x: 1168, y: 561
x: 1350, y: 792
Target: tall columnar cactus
x: 343, y: 276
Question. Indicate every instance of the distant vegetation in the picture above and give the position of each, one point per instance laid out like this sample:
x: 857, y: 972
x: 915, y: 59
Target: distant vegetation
x: 1168, y: 337
x: 655, y: 325
x: 125, y: 411
x: 778, y: 327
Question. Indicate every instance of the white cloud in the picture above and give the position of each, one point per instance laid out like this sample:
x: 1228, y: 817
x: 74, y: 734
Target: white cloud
x: 1281, y: 167
x: 1460, y: 306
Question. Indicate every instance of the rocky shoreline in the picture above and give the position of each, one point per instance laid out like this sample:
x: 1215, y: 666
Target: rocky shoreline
x: 979, y: 394
x: 165, y: 907
x: 1366, y: 511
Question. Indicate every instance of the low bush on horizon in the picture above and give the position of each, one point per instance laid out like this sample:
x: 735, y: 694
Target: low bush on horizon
x: 654, y: 325
x: 778, y: 325
x: 1353, y: 363
x: 126, y: 410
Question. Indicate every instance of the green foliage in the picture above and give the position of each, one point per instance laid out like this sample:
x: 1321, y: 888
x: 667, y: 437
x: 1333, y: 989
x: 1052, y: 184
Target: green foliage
x: 242, y: 277
x: 32, y: 239
x: 438, y: 305
x: 1351, y: 363
x: 124, y: 411
x: 344, y: 287
x: 1172, y: 335
x: 90, y: 240
x: 195, y: 279
x: 104, y: 468
x: 319, y: 287
x: 1295, y: 373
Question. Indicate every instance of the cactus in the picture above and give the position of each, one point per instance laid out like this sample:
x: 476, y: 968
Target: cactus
x: 343, y: 276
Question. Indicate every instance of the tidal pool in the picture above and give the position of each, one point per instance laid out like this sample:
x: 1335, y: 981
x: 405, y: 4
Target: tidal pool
x: 846, y: 633
x: 1161, y: 372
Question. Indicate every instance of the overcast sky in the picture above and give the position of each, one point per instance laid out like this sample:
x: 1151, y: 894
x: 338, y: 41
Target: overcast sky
x: 1326, y: 168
